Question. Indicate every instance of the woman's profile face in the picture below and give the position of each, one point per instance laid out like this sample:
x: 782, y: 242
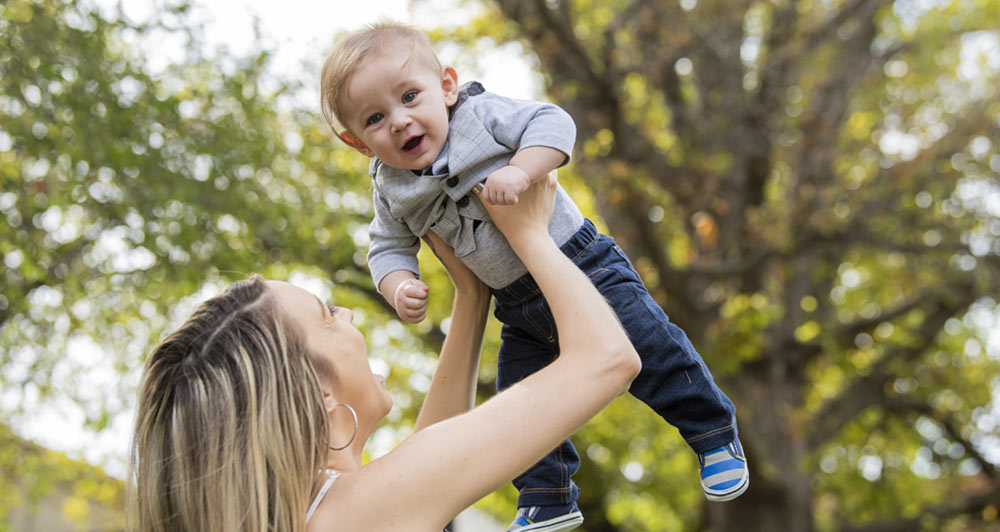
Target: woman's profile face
x: 330, y: 336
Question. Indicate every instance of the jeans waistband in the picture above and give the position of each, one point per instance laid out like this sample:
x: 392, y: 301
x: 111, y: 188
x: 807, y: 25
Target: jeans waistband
x: 525, y: 288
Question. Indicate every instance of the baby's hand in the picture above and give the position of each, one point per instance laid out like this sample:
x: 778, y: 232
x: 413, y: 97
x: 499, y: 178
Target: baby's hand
x: 504, y: 185
x: 410, y: 300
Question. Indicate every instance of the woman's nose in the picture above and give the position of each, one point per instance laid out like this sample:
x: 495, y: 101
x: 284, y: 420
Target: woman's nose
x: 348, y: 314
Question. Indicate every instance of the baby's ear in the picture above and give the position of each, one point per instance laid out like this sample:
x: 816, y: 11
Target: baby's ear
x: 449, y: 84
x: 355, y: 143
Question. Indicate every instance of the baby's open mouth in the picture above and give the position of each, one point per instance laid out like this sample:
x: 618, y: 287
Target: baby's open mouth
x: 413, y: 143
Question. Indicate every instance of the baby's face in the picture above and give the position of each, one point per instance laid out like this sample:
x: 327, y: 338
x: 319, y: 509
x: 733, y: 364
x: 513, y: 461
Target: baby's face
x: 398, y: 108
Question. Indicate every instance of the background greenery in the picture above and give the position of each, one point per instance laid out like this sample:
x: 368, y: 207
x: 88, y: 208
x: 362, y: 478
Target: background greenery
x: 809, y: 188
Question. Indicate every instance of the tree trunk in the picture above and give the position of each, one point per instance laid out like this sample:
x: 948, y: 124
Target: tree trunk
x: 780, y: 496
x: 765, y: 507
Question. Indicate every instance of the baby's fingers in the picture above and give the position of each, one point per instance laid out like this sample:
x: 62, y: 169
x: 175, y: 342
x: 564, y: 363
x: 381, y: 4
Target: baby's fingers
x: 494, y: 196
x: 499, y: 196
x: 415, y: 290
x: 412, y: 317
x: 412, y: 310
x: 414, y: 296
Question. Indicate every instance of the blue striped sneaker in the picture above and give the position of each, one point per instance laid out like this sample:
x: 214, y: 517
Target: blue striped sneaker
x: 546, y: 518
x: 724, y: 473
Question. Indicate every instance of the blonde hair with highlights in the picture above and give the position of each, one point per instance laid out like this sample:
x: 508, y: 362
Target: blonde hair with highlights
x: 231, y: 429
x: 350, y: 52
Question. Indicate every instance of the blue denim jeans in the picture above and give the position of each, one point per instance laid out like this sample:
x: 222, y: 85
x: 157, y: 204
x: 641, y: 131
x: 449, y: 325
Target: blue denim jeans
x: 674, y: 381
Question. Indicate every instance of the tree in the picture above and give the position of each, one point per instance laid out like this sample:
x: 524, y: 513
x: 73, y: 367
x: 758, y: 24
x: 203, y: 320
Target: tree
x: 128, y: 195
x: 810, y: 191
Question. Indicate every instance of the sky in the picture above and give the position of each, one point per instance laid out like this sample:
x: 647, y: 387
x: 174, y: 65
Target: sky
x: 302, y: 30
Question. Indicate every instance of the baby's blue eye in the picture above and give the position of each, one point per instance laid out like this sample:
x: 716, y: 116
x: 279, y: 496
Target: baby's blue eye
x: 373, y: 119
x: 409, y: 97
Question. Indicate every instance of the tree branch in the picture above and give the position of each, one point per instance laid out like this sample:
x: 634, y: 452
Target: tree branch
x: 728, y: 269
x: 857, y: 235
x: 870, y: 389
x: 975, y: 120
x: 827, y: 112
x: 951, y: 427
x: 969, y: 505
x: 826, y: 30
x: 572, y: 62
x: 847, y: 333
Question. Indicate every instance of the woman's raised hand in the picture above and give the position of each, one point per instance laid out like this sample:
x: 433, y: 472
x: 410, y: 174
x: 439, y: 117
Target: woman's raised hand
x: 530, y: 216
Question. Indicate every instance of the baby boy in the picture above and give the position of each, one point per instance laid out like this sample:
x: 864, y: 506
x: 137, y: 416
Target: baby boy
x: 433, y: 142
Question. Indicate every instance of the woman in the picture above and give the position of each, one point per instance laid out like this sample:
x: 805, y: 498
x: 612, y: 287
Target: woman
x: 254, y: 414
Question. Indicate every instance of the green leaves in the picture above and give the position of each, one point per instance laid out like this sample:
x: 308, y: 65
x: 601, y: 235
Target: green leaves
x: 807, y: 189
x: 803, y: 186
x: 128, y: 196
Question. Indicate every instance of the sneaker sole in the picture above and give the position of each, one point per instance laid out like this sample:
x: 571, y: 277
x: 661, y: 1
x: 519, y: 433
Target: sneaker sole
x: 563, y: 522
x: 732, y: 494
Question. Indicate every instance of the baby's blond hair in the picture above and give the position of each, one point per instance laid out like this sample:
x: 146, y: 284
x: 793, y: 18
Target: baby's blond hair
x: 349, y: 52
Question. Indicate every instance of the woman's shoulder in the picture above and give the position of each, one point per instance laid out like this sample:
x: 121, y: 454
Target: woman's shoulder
x: 346, y: 505
x: 375, y: 498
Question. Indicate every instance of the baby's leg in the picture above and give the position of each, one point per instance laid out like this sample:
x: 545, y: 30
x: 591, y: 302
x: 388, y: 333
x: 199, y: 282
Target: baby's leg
x: 526, y: 348
x: 674, y: 380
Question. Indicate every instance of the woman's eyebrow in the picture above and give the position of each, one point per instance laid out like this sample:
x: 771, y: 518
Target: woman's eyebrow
x: 323, y: 309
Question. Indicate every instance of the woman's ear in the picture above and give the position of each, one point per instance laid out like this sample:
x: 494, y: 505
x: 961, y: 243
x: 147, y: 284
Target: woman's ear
x: 449, y: 84
x: 356, y: 143
x: 329, y: 402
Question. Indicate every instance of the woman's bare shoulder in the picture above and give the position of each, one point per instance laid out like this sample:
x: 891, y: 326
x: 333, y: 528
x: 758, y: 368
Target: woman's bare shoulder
x: 339, y: 506
x: 363, y: 501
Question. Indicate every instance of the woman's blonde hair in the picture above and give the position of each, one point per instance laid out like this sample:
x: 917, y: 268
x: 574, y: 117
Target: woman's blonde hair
x: 231, y: 430
x: 349, y: 52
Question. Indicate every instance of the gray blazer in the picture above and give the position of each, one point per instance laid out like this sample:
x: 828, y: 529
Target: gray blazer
x: 485, y: 130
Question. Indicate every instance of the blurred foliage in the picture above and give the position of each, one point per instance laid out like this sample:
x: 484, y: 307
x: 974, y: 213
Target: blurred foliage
x: 128, y: 195
x: 810, y: 190
x: 31, y: 474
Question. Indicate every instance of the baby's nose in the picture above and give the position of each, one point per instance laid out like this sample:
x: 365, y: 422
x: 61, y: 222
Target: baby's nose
x: 400, y: 121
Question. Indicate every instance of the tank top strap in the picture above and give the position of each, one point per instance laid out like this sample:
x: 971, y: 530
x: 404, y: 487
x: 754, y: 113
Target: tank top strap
x: 330, y: 477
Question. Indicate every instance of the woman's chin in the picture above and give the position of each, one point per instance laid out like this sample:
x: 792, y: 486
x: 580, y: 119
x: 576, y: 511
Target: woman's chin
x: 387, y: 403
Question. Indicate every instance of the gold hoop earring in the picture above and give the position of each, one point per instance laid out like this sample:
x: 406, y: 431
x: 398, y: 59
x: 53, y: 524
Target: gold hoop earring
x: 355, y: 435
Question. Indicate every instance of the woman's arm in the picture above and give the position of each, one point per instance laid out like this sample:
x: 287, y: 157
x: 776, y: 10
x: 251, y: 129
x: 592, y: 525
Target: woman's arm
x: 453, y: 388
x: 441, y: 470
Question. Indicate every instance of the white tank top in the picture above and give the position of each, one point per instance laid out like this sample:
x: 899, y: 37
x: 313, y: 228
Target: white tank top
x: 330, y: 477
